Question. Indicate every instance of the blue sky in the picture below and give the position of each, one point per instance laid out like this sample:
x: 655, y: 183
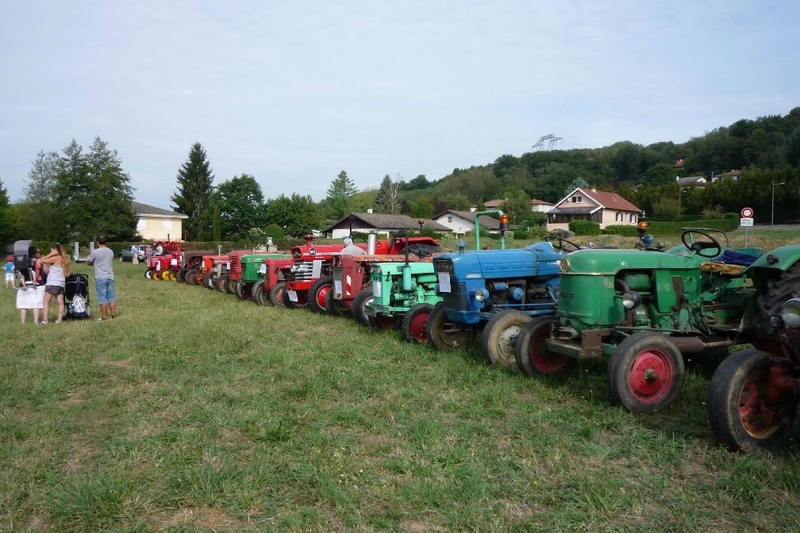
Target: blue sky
x: 293, y: 92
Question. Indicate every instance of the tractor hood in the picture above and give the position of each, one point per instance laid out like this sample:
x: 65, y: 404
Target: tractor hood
x: 602, y: 261
x: 537, y: 259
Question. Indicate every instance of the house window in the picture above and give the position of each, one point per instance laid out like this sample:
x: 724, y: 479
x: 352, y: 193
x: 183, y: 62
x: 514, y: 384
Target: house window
x: 633, y: 217
x: 166, y: 225
x: 577, y: 199
x: 449, y: 219
x: 141, y: 225
x: 619, y: 217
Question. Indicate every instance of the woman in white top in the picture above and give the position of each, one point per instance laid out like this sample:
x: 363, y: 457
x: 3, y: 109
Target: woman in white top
x: 60, y: 268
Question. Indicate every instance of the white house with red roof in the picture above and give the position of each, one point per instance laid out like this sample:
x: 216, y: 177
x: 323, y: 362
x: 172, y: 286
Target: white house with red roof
x: 605, y: 208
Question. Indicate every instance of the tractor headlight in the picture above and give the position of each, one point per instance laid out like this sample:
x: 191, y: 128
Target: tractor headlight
x: 563, y: 265
x: 790, y: 313
x: 631, y: 299
x: 481, y: 294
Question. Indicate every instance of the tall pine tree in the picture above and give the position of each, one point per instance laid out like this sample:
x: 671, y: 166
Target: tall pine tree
x: 340, y: 195
x: 193, y: 197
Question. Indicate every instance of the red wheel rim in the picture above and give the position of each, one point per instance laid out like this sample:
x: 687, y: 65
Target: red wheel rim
x: 418, y: 326
x: 750, y: 400
x: 321, y: 294
x: 651, y: 376
x: 543, y: 362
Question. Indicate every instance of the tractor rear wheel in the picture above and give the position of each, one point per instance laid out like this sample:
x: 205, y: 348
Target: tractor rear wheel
x: 414, y: 323
x: 780, y: 289
x: 335, y: 307
x: 444, y: 335
x: 258, y: 292
x: 191, y: 277
x: 222, y: 283
x: 646, y: 372
x: 500, y: 337
x: 317, y: 293
x: 531, y: 353
x: 359, y: 302
x: 736, y: 404
x: 276, y: 294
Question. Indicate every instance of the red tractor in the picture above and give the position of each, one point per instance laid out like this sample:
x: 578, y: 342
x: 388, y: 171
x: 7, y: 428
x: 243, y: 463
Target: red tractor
x: 166, y: 247
x: 351, y: 273
x: 310, y: 277
x: 164, y: 267
x: 190, y: 264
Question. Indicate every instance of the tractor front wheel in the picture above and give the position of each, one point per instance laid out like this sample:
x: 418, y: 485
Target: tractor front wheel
x: 359, y: 302
x: 531, y: 353
x: 737, y: 407
x: 180, y: 276
x: 258, y: 292
x: 276, y: 294
x: 317, y: 293
x: 414, y: 323
x: 222, y: 283
x: 500, y: 338
x: 148, y: 273
x: 156, y: 275
x: 301, y: 300
x: 645, y: 373
x: 444, y: 335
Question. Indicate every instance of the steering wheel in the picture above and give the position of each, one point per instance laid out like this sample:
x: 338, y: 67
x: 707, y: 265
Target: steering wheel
x: 701, y: 247
x: 552, y: 239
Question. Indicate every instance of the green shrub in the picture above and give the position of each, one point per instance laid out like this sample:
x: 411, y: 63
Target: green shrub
x: 274, y: 231
x: 625, y: 231
x: 521, y: 234
x: 584, y: 227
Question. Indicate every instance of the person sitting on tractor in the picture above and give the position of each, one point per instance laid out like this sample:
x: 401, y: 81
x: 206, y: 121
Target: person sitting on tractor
x: 350, y: 248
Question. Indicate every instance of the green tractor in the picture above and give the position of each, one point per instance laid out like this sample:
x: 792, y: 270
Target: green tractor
x: 402, y: 293
x: 645, y: 309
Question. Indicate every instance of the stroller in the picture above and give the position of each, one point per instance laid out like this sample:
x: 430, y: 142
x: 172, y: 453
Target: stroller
x: 24, y: 252
x: 76, y: 297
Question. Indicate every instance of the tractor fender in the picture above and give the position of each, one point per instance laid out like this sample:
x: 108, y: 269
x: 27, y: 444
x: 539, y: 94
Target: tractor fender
x: 782, y: 258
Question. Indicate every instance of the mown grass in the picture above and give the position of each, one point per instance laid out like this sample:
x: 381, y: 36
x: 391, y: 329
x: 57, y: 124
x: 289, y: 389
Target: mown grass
x: 193, y: 411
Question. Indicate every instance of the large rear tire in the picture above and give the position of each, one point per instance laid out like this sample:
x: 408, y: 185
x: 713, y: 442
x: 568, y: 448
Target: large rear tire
x: 276, y: 294
x: 414, y: 321
x: 532, y: 356
x: 259, y: 298
x: 736, y: 403
x: 444, y: 335
x: 317, y: 293
x: 191, y: 277
x: 646, y: 373
x: 500, y: 338
x: 779, y: 289
x: 359, y: 302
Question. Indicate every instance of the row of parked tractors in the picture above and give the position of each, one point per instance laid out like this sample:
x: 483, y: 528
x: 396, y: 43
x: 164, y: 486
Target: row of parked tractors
x: 543, y: 308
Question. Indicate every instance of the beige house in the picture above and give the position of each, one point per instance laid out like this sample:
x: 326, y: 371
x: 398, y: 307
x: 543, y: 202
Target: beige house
x: 378, y: 223
x: 537, y: 206
x: 605, y: 208
x: 156, y: 224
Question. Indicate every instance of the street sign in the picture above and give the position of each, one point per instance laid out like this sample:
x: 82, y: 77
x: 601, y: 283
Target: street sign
x: 747, y: 212
x: 746, y: 222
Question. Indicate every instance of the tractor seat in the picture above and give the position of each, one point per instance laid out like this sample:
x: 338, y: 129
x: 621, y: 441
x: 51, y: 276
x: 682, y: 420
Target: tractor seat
x: 722, y: 268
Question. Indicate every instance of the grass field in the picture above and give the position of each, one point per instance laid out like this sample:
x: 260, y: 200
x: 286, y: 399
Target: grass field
x: 193, y: 411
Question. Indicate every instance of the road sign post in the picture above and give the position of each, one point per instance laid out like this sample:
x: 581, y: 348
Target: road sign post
x: 746, y: 221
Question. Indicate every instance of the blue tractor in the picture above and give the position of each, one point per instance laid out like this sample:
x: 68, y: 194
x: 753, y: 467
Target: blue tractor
x: 497, y: 291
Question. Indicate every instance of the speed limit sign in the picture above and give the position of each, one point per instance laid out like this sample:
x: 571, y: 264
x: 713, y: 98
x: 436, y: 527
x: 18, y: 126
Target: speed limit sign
x: 747, y: 212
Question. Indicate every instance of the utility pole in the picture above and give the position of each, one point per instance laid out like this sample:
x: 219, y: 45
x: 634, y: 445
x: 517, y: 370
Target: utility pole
x: 772, y: 216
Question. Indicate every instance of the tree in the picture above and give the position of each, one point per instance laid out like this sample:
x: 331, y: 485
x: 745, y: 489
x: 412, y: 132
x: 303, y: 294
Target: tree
x: 297, y: 215
x: 422, y: 208
x: 94, y: 194
x: 340, y: 195
x: 7, y: 217
x: 193, y: 197
x: 574, y: 184
x: 388, y: 199
x: 38, y: 214
x: 517, y: 205
x: 241, y: 207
